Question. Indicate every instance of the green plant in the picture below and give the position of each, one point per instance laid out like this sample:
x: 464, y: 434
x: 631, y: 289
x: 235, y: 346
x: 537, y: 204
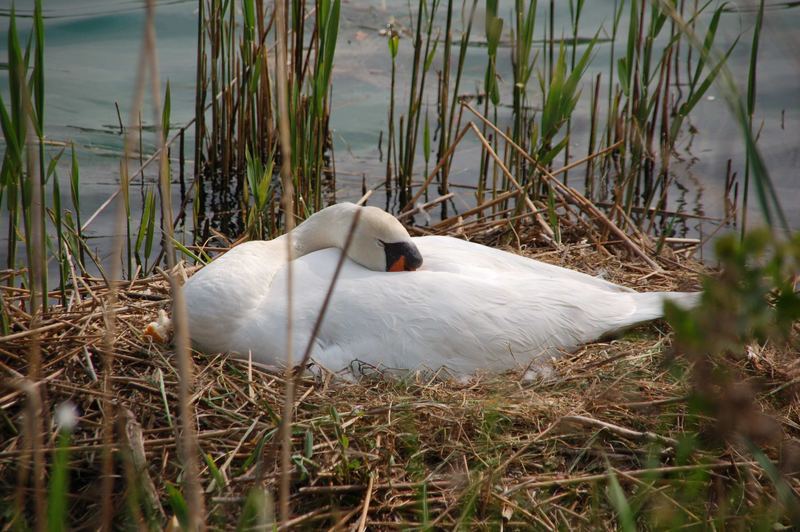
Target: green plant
x: 752, y: 302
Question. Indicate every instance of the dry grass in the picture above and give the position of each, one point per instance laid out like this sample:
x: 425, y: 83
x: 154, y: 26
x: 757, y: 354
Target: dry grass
x: 387, y: 453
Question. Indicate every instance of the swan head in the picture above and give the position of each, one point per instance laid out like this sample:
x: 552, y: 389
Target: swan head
x: 381, y: 243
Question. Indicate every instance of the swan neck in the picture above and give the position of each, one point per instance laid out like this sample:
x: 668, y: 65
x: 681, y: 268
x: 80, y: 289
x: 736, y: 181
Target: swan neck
x: 323, y: 229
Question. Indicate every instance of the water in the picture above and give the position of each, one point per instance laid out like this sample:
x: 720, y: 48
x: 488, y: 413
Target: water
x: 92, y: 52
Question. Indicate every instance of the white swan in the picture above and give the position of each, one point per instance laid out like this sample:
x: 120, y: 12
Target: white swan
x: 467, y: 308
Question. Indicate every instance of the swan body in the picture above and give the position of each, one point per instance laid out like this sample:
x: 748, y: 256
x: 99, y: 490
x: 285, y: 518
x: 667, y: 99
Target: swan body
x: 467, y: 308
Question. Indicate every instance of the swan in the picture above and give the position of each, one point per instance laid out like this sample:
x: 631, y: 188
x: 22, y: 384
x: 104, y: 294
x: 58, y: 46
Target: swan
x: 447, y: 303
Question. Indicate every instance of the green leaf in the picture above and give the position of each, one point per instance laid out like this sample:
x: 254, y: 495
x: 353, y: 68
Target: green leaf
x: 258, y: 511
x: 327, y: 49
x: 426, y: 138
x: 17, y: 69
x: 431, y: 54
x: 309, y: 444
x: 616, y: 495
x: 51, y: 166
x: 75, y: 181
x: 180, y: 247
x: 494, y: 30
x: 58, y: 489
x: 708, y: 44
x: 165, y: 113
x: 178, y: 505
x: 698, y: 93
x: 10, y: 134
x: 216, y: 474
x: 145, y: 234
x: 249, y: 21
x: 38, y: 67
x: 751, y: 77
x: 162, y: 388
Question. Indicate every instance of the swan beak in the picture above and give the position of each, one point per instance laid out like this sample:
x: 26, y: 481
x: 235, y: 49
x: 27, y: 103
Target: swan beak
x: 402, y: 257
x: 399, y: 265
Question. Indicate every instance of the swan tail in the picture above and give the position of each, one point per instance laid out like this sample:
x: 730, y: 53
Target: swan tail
x: 650, y: 305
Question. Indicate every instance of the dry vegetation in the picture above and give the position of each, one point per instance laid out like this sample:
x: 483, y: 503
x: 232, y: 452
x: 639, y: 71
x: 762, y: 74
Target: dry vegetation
x: 611, y: 429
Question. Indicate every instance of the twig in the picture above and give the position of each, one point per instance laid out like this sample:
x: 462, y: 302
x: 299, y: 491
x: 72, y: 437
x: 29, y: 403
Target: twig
x: 134, y: 452
x: 622, y: 431
x: 425, y: 207
x: 362, y: 522
x: 475, y: 210
x: 365, y: 197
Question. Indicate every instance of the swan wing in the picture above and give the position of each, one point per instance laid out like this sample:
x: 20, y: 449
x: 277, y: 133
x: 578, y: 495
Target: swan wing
x: 429, y: 318
x: 224, y: 294
x: 447, y: 254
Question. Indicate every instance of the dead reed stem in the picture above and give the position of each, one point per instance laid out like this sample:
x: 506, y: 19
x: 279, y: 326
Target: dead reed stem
x: 569, y: 193
x: 187, y: 438
x: 281, y: 38
x: 329, y: 294
x: 38, y: 309
x: 110, y: 307
x: 549, y: 235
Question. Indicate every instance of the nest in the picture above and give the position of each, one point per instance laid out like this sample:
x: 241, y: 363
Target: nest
x: 608, y: 436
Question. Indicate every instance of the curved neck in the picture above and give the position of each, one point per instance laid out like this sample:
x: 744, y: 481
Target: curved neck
x: 324, y: 229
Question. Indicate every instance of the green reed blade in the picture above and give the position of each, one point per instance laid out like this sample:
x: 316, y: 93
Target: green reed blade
x: 751, y: 106
x: 13, y: 144
x: 178, y: 505
x: 426, y: 138
x: 616, y: 495
x: 626, y: 64
x: 17, y: 69
x: 151, y: 224
x: 186, y: 251
x: 751, y: 75
x: 216, y: 475
x: 494, y: 30
x: 563, y: 92
x: 38, y: 67
x: 165, y: 112
x: 698, y: 92
x: 145, y: 228
x: 249, y: 21
x: 328, y: 48
x: 431, y: 54
x: 58, y: 222
x: 58, y: 488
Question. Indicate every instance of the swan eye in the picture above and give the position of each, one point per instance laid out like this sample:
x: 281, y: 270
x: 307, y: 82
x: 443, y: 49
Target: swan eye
x: 381, y: 243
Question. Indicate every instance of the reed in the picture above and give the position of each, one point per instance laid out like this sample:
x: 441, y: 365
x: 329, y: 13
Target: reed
x: 393, y: 43
x: 236, y: 83
x: 751, y: 105
x: 645, y: 114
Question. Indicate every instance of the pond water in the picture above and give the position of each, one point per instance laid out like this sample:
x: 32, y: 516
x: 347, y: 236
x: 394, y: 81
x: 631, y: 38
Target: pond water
x: 92, y: 49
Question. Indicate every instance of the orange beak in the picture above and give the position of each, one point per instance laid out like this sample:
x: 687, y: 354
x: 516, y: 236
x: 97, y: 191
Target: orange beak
x: 399, y: 265
x: 402, y: 256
